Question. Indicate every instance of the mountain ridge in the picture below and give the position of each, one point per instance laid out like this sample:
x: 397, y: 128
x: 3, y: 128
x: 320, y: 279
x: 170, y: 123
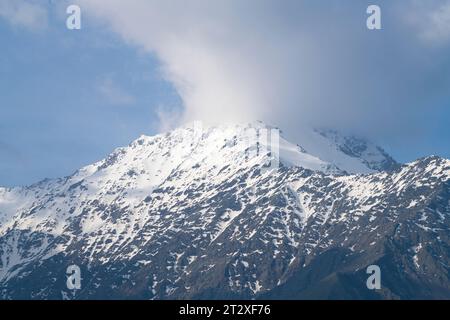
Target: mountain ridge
x: 188, y: 214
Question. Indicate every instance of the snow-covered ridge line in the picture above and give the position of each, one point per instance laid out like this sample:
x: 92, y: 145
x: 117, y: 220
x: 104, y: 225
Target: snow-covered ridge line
x: 134, y: 172
x: 177, y: 203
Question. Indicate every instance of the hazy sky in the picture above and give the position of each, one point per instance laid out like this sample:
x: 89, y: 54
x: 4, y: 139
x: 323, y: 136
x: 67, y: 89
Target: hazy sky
x: 67, y: 98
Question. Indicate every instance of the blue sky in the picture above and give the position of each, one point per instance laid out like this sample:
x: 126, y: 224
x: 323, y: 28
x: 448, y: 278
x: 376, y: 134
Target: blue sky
x: 68, y: 98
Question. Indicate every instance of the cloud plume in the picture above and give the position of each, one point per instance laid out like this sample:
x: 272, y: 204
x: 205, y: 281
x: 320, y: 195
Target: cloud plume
x: 290, y: 63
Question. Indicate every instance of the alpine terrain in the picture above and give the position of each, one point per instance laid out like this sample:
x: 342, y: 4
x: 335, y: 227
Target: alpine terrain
x: 198, y: 213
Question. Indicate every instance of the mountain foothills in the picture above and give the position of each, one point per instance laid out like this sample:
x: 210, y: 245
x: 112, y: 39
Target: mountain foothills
x: 189, y: 215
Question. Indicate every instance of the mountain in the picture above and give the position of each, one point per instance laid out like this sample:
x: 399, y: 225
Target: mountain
x: 199, y: 213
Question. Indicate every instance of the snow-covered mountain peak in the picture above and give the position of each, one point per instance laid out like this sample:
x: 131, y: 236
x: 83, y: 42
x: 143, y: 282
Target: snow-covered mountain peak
x: 371, y: 155
x: 198, y: 212
x: 180, y: 158
x: 321, y: 150
x: 196, y: 145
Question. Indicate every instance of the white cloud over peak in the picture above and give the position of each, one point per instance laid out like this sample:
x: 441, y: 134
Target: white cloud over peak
x: 291, y: 62
x: 204, y: 49
x: 285, y: 62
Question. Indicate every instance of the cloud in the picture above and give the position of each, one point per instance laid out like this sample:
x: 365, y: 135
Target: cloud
x: 167, y: 119
x: 193, y: 52
x: 434, y: 22
x: 291, y: 63
x: 113, y: 94
x: 24, y: 13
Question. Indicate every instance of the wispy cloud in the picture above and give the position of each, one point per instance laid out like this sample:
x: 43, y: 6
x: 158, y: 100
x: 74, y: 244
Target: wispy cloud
x: 435, y: 24
x: 24, y: 13
x: 113, y: 93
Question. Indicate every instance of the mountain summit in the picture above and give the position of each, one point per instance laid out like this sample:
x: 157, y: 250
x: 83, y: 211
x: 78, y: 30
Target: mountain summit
x: 202, y: 212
